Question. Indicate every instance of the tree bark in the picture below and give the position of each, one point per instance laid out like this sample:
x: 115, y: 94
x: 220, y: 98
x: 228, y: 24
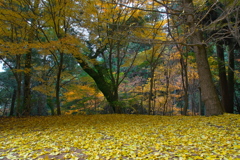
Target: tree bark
x: 28, y: 63
x: 151, y: 95
x: 27, y: 84
x: 184, y: 75
x: 109, y: 90
x: 223, y: 77
x: 114, y: 102
x: 165, y: 107
x: 209, y: 94
x: 18, y: 77
x: 13, y: 102
x: 231, y: 77
x: 18, y: 95
x: 58, y: 83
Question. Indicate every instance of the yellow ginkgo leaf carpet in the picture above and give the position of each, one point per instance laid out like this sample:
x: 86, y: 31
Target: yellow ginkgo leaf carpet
x: 121, y: 137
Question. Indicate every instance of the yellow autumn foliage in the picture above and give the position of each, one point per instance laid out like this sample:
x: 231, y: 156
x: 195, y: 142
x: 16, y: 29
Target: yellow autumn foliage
x: 121, y: 137
x: 80, y: 91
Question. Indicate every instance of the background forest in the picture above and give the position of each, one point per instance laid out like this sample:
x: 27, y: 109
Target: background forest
x: 165, y: 57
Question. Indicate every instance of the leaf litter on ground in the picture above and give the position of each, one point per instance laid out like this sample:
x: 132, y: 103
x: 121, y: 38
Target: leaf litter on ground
x: 119, y: 136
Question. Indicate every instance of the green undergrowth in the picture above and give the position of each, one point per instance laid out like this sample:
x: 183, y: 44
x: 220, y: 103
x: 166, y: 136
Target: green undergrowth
x: 121, y: 137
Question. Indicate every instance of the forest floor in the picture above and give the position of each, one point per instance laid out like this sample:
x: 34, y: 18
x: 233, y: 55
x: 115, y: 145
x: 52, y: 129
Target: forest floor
x: 121, y: 137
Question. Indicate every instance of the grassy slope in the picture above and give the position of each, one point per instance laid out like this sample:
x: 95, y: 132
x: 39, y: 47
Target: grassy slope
x: 120, y: 137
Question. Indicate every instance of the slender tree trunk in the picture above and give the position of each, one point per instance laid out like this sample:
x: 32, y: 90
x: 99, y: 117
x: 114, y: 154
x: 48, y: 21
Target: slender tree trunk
x: 4, y: 113
x: 43, y: 98
x: 41, y: 108
x: 18, y: 77
x: 200, y: 102
x: 58, y: 83
x: 150, y: 98
x: 18, y: 107
x: 50, y: 105
x: 231, y: 78
x: 165, y: 109
x: 185, y: 84
x: 155, y: 96
x: 142, y: 99
x: 17, y: 89
x: 223, y: 77
x: 13, y: 102
x: 209, y: 94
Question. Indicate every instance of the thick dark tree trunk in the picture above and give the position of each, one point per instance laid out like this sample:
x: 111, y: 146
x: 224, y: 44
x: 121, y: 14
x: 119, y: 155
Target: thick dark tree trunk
x: 109, y: 90
x: 231, y: 77
x: 27, y: 84
x: 28, y: 65
x: 209, y: 94
x: 223, y: 77
x: 113, y: 102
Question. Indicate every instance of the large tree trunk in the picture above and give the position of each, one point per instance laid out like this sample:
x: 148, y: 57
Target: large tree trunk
x: 223, y: 77
x: 113, y: 101
x: 28, y: 64
x: 27, y: 84
x: 109, y: 90
x: 209, y: 94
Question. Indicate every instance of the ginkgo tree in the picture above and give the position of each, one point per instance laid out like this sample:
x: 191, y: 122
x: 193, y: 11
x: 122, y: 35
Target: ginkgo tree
x: 25, y: 29
x: 17, y: 32
x: 186, y: 13
x: 114, y: 34
x: 96, y: 35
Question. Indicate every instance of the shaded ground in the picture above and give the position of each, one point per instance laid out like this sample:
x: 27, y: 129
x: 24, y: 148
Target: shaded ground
x: 120, y: 137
